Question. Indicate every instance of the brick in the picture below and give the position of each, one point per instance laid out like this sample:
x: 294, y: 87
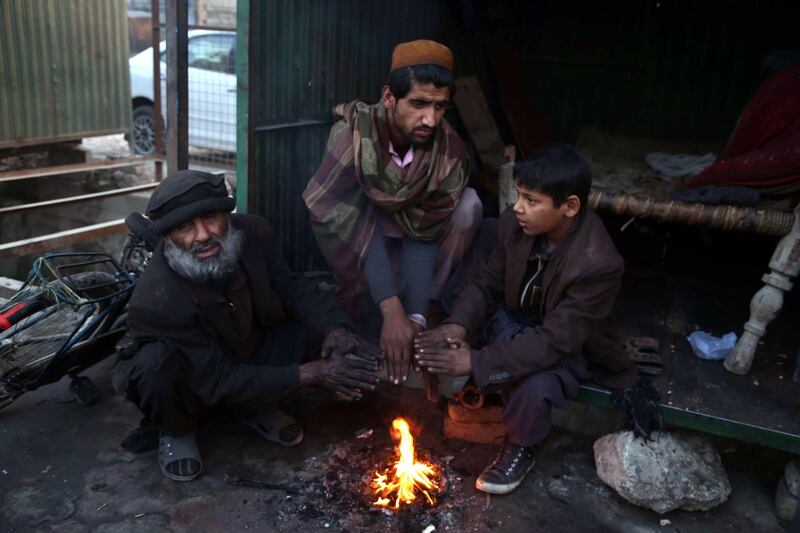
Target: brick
x: 485, y: 415
x: 490, y: 433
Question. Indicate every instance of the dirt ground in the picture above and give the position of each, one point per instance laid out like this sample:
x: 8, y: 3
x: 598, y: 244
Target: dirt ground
x: 63, y: 470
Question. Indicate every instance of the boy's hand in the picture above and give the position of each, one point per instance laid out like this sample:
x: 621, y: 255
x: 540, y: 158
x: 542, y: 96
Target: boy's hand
x: 454, y: 360
x: 438, y: 336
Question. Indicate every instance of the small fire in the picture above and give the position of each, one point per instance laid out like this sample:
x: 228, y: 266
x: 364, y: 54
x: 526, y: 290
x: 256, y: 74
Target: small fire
x: 409, y: 476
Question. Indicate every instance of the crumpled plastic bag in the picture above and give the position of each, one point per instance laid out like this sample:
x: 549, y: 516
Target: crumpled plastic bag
x: 707, y: 346
x: 677, y: 165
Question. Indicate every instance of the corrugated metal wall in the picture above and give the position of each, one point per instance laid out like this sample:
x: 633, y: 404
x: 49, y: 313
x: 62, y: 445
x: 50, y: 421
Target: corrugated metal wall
x: 664, y: 69
x: 309, y: 55
x: 63, y: 70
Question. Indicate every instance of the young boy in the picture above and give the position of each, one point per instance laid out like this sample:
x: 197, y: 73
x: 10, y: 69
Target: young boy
x: 542, y: 302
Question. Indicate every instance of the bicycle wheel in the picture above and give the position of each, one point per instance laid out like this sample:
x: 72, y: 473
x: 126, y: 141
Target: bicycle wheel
x: 32, y: 342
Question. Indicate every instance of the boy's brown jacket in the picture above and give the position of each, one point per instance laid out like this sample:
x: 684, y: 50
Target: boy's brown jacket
x: 581, y: 283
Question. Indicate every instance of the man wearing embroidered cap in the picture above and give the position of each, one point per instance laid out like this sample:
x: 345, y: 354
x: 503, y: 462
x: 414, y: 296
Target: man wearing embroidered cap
x: 389, y: 204
x: 219, y: 320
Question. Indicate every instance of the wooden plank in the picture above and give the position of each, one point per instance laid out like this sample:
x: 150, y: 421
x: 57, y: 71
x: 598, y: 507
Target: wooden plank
x: 527, y: 121
x: 474, y: 112
x: 30, y: 173
x: 44, y: 243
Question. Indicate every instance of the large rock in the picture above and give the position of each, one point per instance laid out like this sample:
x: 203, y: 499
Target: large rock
x: 671, y: 471
x: 788, y: 492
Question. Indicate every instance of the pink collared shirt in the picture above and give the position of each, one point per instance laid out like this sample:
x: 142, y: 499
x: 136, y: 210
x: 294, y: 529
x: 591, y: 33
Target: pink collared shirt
x: 407, y: 159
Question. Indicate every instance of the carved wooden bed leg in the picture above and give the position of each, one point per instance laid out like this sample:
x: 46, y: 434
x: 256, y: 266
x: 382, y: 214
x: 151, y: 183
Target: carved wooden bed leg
x: 768, y: 301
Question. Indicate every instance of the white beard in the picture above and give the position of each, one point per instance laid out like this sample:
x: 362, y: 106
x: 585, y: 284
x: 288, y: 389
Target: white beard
x: 216, y: 268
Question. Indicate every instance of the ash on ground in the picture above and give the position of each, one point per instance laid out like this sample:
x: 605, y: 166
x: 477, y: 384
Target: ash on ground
x: 333, y: 491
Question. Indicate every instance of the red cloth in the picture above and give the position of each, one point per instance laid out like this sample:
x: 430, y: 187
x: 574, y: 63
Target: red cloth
x: 764, y: 149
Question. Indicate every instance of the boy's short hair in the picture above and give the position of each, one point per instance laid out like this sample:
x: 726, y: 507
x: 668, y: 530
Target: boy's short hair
x: 400, y: 79
x: 557, y: 170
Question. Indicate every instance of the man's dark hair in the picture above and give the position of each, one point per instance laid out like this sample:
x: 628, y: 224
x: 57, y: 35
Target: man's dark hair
x: 400, y: 79
x: 557, y: 170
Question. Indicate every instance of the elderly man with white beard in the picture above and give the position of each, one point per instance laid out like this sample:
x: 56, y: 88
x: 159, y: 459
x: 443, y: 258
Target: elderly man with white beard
x: 219, y: 319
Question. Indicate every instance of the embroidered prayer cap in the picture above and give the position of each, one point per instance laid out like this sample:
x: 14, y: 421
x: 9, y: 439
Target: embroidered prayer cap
x: 185, y: 195
x: 421, y: 52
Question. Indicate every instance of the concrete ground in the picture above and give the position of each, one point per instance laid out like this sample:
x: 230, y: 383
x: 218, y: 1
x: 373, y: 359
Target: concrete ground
x: 62, y: 469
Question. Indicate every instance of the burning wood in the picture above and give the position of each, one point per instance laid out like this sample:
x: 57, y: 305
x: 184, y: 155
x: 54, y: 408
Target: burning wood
x: 407, y: 477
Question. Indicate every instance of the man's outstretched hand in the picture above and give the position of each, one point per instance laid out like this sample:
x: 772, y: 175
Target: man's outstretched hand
x: 451, y: 360
x: 342, y: 341
x: 437, y: 337
x: 397, y: 338
x: 348, y: 365
x: 345, y: 373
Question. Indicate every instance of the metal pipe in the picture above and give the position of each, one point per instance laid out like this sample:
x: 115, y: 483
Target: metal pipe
x: 44, y: 243
x: 289, y: 125
x: 30, y: 173
x: 155, y: 20
x: 75, y: 199
x: 177, y: 86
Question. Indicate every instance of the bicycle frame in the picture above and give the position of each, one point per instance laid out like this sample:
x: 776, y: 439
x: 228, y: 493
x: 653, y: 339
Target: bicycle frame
x: 93, y: 329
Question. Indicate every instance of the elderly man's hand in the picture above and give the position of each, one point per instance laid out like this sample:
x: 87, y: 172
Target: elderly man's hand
x: 451, y: 360
x: 342, y: 341
x: 347, y: 374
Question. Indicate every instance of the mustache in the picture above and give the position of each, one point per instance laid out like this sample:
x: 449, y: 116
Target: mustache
x: 200, y: 247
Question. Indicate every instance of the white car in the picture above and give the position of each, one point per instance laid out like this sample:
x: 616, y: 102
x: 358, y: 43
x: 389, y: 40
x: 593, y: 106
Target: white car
x: 212, y: 92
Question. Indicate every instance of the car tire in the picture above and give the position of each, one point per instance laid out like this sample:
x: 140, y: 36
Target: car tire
x: 143, y: 138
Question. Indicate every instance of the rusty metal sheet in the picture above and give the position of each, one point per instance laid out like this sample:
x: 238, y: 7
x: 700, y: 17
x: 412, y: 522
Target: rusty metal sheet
x: 63, y: 70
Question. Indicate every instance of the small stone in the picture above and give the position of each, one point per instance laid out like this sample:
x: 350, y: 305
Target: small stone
x: 664, y: 522
x: 783, y: 356
x: 755, y: 382
x: 672, y: 471
x: 786, y: 500
x: 780, y: 377
x: 364, y: 433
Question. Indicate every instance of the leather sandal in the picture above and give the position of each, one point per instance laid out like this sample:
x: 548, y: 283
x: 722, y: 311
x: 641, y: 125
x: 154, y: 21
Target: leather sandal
x: 275, y: 426
x: 179, y: 457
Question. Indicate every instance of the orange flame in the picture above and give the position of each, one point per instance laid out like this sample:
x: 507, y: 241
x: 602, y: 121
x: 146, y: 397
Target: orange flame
x: 409, y: 475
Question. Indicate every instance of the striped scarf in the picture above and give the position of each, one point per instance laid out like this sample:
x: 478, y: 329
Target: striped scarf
x: 357, y: 177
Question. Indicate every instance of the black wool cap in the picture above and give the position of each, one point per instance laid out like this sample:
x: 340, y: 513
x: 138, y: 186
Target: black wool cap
x: 185, y: 195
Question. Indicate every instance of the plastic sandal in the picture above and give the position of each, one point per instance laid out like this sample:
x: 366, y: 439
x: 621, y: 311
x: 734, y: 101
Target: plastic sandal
x: 275, y: 426
x: 172, y: 450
